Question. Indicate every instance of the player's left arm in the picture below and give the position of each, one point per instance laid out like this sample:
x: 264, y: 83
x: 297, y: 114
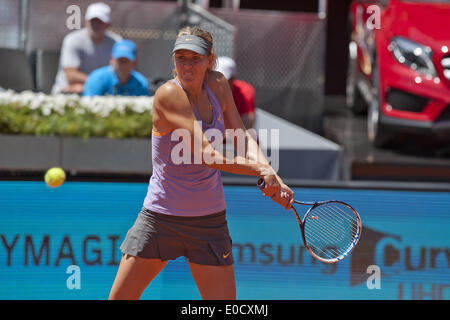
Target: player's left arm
x: 248, y: 119
x: 233, y: 121
x: 232, y: 118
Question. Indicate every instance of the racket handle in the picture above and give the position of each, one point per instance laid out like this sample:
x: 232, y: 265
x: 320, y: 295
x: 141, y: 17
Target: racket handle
x: 261, y: 183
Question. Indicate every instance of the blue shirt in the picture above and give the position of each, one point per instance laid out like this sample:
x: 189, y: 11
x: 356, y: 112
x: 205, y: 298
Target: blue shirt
x: 104, y: 81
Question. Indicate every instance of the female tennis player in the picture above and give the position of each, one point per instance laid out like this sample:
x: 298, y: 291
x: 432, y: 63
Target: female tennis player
x: 183, y: 213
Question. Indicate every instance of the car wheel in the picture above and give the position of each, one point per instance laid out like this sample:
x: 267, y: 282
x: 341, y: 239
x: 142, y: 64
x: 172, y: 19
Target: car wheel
x: 379, y: 135
x: 354, y: 100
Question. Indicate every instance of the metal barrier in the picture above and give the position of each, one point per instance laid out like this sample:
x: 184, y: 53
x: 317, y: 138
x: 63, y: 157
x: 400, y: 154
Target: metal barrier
x: 222, y: 31
x: 284, y: 59
x: 9, y: 24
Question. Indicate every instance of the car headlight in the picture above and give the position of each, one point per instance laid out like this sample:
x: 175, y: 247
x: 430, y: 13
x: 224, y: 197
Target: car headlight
x: 418, y: 57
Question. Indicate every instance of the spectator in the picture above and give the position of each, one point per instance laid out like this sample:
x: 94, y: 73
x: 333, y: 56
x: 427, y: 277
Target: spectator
x: 85, y: 50
x: 118, y: 78
x: 243, y: 92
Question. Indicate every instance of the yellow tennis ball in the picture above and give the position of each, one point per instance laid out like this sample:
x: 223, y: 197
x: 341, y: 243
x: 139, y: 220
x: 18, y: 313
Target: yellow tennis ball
x: 55, y: 177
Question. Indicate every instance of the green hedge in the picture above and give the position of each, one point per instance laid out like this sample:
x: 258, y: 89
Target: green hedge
x: 74, y: 118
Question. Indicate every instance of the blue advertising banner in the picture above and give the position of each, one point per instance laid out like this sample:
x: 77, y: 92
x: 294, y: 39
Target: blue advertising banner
x: 64, y: 243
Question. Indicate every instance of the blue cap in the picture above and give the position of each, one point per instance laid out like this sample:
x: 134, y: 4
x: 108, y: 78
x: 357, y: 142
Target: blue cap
x: 124, y: 49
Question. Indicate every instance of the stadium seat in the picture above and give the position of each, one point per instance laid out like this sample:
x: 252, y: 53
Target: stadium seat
x: 16, y: 70
x: 47, y: 62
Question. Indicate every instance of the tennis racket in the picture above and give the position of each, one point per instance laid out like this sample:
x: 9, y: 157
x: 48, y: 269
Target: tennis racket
x: 330, y: 229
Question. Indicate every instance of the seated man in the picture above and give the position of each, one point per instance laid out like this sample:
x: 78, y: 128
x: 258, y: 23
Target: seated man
x: 85, y: 50
x: 243, y: 92
x: 118, y: 78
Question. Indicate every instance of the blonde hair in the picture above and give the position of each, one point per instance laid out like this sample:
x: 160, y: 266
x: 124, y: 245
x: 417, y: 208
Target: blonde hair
x: 199, y: 32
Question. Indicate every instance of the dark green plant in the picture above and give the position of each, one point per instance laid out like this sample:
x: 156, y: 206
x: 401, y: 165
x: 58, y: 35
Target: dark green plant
x: 74, y: 121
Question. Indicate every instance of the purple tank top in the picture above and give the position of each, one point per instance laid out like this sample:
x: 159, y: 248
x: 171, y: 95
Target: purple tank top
x: 185, y: 189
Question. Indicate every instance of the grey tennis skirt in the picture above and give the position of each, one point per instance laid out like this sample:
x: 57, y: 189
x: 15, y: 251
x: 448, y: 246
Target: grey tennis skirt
x: 203, y: 240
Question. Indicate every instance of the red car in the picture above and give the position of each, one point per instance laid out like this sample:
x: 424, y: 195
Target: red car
x: 399, y: 67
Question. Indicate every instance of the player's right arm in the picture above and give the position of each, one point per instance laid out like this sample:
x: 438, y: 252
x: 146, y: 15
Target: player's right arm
x: 172, y: 111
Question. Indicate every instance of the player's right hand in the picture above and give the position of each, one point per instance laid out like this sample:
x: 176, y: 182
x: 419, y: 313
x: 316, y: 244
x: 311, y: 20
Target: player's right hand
x: 278, y: 191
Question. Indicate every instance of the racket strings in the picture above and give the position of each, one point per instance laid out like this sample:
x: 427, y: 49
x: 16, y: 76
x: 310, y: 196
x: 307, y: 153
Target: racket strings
x: 330, y: 214
x: 335, y: 231
x: 326, y: 248
x: 325, y: 234
x: 331, y: 230
x: 328, y: 243
x: 345, y: 214
x: 324, y: 254
x: 328, y: 228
